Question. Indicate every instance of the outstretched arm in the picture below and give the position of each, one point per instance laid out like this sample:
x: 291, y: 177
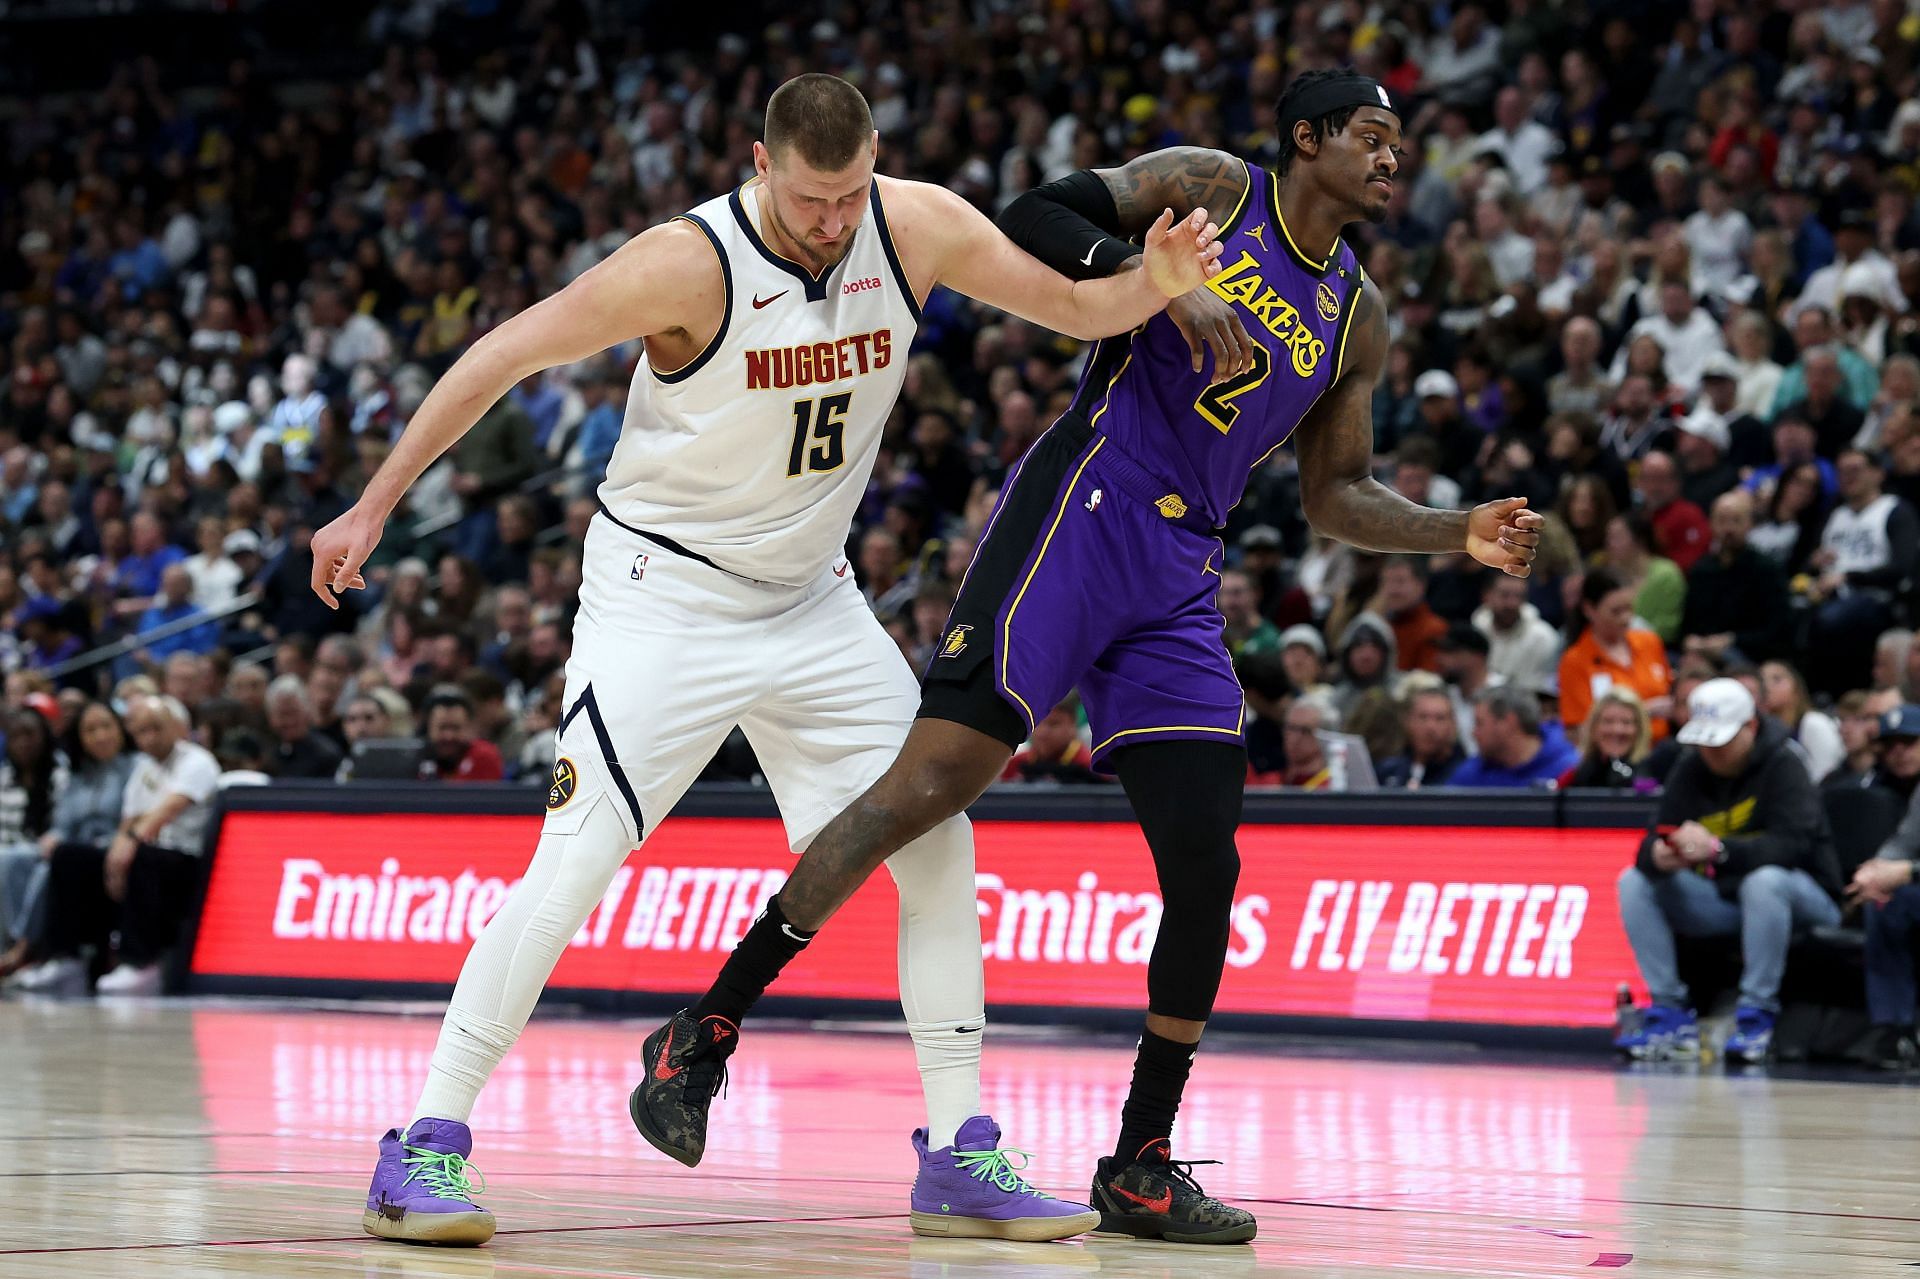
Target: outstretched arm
x: 1080, y: 226
x: 970, y: 255
x: 1334, y: 445
x: 661, y: 280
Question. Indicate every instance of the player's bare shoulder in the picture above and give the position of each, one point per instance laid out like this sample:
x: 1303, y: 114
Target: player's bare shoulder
x: 926, y: 222
x: 670, y: 282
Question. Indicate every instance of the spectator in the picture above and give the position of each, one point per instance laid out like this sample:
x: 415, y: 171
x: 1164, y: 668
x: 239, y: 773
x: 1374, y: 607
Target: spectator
x: 1463, y: 657
x: 454, y: 752
x: 298, y: 752
x: 1740, y: 845
x: 1702, y: 445
x: 1304, y: 656
x: 1898, y: 745
x: 142, y: 883
x: 1239, y: 602
x: 216, y: 578
x: 33, y: 782
x: 1607, y: 651
x: 1736, y: 598
x: 1307, y: 766
x: 1402, y: 601
x: 1866, y: 559
x: 1884, y: 885
x: 1795, y: 518
x: 1366, y: 661
x: 1659, y: 589
x: 1856, y: 382
x: 1635, y: 424
x: 1615, y: 740
x: 1679, y: 527
x: 1055, y: 752
x: 1512, y: 751
x: 1685, y: 332
x: 175, y: 604
x: 1587, y: 508
x: 1521, y: 647
x: 1581, y: 386
x: 1784, y: 696
x: 1433, y: 748
x: 1859, y: 733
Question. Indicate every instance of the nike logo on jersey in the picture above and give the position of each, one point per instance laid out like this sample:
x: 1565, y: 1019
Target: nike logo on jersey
x: 1093, y: 249
x: 1161, y: 1204
x: 759, y: 302
x: 841, y: 571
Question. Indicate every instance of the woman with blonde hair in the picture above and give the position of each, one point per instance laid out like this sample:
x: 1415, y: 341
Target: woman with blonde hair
x: 1617, y: 735
x: 1783, y: 695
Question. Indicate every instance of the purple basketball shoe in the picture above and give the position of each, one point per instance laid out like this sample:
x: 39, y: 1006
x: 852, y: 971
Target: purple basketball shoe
x: 970, y: 1190
x: 422, y: 1192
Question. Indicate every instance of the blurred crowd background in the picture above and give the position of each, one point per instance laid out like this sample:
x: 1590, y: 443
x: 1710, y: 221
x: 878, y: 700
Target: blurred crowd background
x: 1654, y: 266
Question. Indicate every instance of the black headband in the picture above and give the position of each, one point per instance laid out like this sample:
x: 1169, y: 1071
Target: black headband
x: 1328, y: 96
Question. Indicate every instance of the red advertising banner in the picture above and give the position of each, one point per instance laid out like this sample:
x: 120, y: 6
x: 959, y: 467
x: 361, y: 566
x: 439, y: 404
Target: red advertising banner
x: 1469, y: 924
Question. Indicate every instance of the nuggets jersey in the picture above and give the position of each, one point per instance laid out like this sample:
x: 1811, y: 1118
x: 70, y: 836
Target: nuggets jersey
x: 756, y: 452
x: 1204, y: 441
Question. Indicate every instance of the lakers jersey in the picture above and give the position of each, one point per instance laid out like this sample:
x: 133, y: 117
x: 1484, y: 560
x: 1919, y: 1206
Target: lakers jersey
x: 756, y: 452
x: 1203, y: 439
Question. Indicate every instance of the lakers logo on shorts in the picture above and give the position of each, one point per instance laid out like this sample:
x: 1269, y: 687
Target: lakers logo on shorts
x: 956, y: 642
x: 1329, y: 304
x: 1172, y: 506
x: 566, y: 779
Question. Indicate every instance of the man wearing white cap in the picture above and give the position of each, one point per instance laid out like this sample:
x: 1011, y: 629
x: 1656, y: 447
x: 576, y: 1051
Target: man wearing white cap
x: 1740, y: 846
x: 1706, y: 435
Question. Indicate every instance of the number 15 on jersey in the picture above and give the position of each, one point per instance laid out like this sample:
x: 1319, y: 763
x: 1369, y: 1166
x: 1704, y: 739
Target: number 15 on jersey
x: 822, y: 423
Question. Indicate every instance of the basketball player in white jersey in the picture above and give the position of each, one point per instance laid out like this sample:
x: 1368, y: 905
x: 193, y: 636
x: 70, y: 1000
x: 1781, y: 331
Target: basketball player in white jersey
x: 776, y: 322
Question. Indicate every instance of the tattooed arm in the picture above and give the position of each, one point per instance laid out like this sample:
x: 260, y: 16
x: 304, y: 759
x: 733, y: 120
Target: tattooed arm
x: 1334, y: 445
x: 1179, y: 178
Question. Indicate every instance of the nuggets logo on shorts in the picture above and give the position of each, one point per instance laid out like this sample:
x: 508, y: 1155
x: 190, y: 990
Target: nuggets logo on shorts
x: 566, y: 779
x: 956, y: 642
x: 1329, y: 304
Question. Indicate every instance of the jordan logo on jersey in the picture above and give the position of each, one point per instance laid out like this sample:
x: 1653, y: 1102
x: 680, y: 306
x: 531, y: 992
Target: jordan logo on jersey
x: 1243, y: 283
x: 956, y: 642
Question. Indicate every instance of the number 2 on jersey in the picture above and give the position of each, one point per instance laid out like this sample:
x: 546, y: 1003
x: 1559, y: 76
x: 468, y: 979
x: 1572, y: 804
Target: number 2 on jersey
x: 1216, y: 402
x: 824, y: 422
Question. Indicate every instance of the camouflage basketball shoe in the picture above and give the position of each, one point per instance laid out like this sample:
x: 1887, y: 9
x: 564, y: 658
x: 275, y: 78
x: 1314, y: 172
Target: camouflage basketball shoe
x: 423, y: 1187
x: 1155, y: 1198
x: 686, y: 1063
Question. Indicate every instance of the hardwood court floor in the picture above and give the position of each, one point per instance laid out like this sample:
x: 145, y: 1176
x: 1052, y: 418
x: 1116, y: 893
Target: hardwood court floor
x: 168, y: 1139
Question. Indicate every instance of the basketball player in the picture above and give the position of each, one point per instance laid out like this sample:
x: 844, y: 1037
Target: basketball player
x: 776, y: 323
x: 1100, y: 566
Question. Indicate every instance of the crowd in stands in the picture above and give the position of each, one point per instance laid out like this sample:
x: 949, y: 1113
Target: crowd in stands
x: 1655, y: 267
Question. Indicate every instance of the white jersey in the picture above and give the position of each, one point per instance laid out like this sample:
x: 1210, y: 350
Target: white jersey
x: 756, y: 453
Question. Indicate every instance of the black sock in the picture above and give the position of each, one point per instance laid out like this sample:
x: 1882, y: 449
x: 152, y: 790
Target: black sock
x: 1159, y: 1077
x: 754, y: 965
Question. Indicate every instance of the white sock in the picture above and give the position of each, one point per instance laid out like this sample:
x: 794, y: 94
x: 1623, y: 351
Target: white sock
x: 515, y: 953
x: 942, y: 987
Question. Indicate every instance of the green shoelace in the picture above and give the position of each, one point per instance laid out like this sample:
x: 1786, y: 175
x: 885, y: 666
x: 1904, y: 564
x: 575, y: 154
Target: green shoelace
x: 994, y: 1166
x: 445, y: 1175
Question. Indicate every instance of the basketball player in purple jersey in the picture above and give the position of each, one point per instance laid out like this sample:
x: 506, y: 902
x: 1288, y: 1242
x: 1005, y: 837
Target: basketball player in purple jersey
x: 1100, y: 567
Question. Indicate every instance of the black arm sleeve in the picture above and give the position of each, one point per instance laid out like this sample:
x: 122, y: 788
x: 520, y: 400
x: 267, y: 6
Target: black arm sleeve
x: 1071, y: 224
x: 1903, y: 538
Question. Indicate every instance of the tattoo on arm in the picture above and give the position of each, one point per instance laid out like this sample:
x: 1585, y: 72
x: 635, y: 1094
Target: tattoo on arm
x: 1335, y: 449
x: 1180, y: 178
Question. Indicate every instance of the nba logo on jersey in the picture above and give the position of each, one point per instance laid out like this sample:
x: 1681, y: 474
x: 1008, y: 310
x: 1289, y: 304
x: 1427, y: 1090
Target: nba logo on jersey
x: 956, y: 642
x: 639, y: 567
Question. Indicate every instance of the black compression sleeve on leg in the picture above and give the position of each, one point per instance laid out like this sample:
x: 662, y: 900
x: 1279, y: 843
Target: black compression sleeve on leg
x: 1187, y: 797
x: 769, y: 946
x: 1071, y: 224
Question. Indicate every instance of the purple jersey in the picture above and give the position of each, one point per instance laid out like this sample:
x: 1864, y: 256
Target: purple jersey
x: 1140, y: 391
